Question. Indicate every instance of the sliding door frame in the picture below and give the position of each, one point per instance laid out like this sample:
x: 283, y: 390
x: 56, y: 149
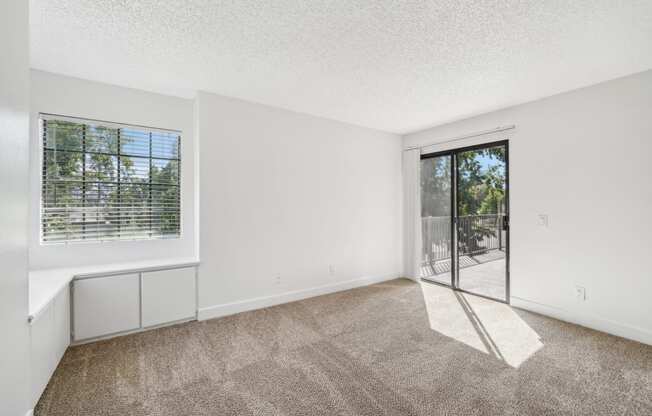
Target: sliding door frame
x: 452, y: 153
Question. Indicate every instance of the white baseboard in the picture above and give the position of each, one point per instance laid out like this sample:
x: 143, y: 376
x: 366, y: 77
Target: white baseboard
x: 130, y: 332
x: 226, y: 309
x: 586, y: 320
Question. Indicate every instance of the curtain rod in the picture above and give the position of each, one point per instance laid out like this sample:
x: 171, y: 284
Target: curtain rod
x: 466, y: 136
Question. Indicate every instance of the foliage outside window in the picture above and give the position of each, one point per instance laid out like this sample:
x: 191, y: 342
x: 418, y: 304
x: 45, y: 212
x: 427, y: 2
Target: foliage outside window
x: 104, y: 181
x: 480, y: 197
x: 480, y: 188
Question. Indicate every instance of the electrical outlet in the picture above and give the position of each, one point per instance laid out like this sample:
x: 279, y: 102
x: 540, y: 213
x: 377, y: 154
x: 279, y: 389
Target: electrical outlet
x: 580, y: 293
x: 542, y: 220
x: 331, y: 270
x: 277, y: 279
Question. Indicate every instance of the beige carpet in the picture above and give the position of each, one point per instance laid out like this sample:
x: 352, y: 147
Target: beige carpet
x: 397, y: 348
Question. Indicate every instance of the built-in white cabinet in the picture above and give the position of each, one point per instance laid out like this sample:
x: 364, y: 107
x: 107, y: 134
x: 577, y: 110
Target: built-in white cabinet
x: 168, y: 296
x: 49, y: 339
x: 105, y: 305
x: 118, y: 303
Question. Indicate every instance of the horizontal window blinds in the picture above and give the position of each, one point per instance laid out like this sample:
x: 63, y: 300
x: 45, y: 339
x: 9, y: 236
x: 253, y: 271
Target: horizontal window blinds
x: 104, y: 181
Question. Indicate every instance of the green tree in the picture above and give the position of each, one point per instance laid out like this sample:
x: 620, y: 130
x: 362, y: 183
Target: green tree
x: 166, y: 196
x: 481, y: 191
x: 436, y: 187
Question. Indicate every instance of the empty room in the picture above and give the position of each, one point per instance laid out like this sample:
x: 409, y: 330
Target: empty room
x: 254, y: 207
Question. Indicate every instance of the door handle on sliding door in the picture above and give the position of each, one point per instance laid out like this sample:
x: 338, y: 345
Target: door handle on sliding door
x: 505, y: 222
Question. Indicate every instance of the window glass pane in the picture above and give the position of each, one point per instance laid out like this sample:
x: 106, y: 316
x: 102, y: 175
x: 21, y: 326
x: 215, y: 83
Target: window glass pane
x: 165, y: 171
x: 63, y: 135
x: 101, y: 221
x: 62, y: 194
x: 165, y: 145
x: 61, y: 211
x: 101, y: 139
x: 134, y: 210
x: 134, y: 169
x: 101, y: 167
x: 165, y: 209
x: 63, y: 165
x: 134, y: 142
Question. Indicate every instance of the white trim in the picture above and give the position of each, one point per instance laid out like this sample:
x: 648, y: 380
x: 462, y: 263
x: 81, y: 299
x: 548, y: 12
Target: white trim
x: 129, y: 332
x: 30, y: 412
x: 144, y: 269
x: 226, y: 309
x: 586, y: 320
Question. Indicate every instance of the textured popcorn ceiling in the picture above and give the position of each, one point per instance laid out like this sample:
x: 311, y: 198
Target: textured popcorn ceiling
x: 393, y: 65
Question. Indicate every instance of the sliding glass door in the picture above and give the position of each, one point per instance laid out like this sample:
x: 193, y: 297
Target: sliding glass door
x: 464, y: 218
x: 481, y: 184
x: 436, y: 218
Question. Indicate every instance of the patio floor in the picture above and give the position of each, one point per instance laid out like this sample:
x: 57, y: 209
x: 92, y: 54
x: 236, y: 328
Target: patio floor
x: 483, y: 274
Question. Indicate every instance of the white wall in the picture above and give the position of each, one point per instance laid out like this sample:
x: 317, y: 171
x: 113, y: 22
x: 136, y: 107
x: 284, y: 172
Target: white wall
x: 14, y: 131
x: 67, y: 96
x: 583, y: 158
x: 289, y: 194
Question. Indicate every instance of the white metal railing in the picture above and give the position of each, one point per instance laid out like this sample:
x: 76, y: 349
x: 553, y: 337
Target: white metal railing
x: 476, y: 234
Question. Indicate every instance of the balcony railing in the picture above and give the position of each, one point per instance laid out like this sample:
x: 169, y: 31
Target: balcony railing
x: 476, y: 233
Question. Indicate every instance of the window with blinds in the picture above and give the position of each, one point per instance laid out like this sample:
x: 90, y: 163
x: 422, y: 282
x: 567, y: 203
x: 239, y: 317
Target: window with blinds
x: 104, y: 181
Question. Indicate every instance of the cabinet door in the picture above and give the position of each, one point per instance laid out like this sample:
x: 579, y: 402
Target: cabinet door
x: 106, y: 305
x: 168, y: 296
